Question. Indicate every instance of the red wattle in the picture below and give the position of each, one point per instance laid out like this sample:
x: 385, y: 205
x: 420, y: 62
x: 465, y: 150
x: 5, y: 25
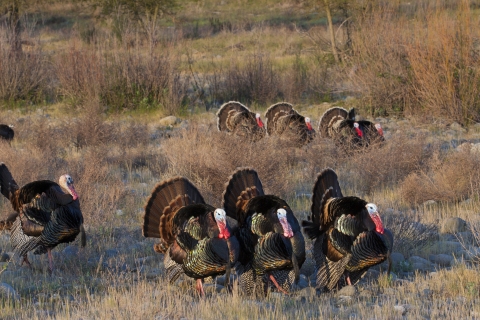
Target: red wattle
x: 359, y: 132
x: 73, y: 192
x: 378, y: 223
x: 380, y: 131
x: 309, y: 126
x: 259, y: 122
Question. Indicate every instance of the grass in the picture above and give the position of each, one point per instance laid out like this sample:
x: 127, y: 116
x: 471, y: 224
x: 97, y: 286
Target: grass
x: 89, y: 121
x: 119, y: 276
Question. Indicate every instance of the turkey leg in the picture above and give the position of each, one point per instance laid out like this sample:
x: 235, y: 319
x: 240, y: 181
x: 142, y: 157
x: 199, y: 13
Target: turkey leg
x: 50, y: 259
x: 272, y: 278
x: 347, y: 278
x: 25, y: 260
x: 199, y: 288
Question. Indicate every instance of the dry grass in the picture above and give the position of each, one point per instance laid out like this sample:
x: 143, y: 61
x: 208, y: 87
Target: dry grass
x: 117, y: 171
x: 450, y: 177
x: 116, y: 160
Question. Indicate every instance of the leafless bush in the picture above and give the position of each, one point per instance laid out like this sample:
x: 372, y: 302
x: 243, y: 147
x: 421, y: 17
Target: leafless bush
x: 380, y: 69
x: 430, y: 60
x: 449, y: 177
x: 410, y: 235
x: 25, y: 75
x: 209, y: 157
x: 122, y: 79
x: 384, y: 165
x: 444, y: 59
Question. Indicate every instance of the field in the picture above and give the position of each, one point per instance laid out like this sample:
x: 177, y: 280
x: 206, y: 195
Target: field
x: 90, y: 96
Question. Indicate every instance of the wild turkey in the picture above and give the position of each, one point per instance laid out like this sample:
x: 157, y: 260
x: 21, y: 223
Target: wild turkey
x: 196, y: 238
x: 339, y: 124
x: 45, y: 215
x: 6, y: 132
x: 283, y: 120
x: 271, y: 241
x: 236, y: 118
x: 349, y: 233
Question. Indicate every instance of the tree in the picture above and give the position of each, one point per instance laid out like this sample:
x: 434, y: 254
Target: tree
x: 326, y: 3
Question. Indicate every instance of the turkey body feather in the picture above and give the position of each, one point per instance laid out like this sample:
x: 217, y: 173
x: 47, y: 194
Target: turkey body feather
x: 45, y: 215
x: 197, y: 239
x: 269, y: 234
x: 348, y: 233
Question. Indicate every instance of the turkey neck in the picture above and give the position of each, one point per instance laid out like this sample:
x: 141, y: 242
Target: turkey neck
x: 298, y: 247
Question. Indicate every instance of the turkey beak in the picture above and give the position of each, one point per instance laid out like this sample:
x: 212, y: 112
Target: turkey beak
x: 72, y: 191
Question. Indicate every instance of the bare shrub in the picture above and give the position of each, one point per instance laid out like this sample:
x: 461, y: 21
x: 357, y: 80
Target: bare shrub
x: 410, y: 235
x: 449, y: 177
x: 25, y: 75
x: 209, y: 157
x: 383, y: 165
x: 431, y: 62
x: 100, y: 190
x: 122, y: 79
x: 80, y: 75
x: 380, y: 70
x: 253, y: 80
x: 444, y: 59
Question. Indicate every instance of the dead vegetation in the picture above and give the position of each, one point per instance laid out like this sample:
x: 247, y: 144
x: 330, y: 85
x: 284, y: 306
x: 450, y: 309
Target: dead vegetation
x: 116, y: 156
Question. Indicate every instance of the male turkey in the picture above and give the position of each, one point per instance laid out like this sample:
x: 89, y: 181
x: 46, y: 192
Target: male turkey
x: 45, y: 215
x: 237, y: 119
x: 196, y: 238
x: 273, y: 247
x: 348, y: 232
x: 6, y: 132
x: 339, y: 124
x: 283, y: 120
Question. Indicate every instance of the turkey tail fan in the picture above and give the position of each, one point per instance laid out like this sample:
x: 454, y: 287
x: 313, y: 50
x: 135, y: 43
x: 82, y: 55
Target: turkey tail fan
x: 329, y: 118
x: 7, y: 184
x: 224, y: 113
x: 6, y: 132
x: 243, y: 185
x: 83, y: 236
x: 166, y: 199
x: 7, y: 223
x: 276, y: 111
x: 326, y: 186
x: 351, y: 114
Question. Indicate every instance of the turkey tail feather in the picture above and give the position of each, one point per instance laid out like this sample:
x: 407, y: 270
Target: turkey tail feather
x: 274, y: 112
x: 166, y: 199
x: 8, y: 223
x: 329, y: 118
x: 326, y: 186
x: 243, y: 185
x: 223, y: 113
x: 7, y: 184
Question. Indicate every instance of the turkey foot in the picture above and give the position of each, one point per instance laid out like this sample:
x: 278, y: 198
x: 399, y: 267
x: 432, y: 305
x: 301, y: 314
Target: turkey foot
x: 199, y: 288
x: 272, y: 278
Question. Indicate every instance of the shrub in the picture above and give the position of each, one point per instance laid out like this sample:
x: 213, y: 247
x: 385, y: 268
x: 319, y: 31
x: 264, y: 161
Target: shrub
x: 449, y: 177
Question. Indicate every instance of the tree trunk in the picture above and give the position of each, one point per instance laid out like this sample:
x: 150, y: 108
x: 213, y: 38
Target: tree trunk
x: 332, y: 33
x: 14, y: 25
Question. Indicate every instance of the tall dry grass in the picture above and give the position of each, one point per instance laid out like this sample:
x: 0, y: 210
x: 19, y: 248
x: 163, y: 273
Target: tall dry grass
x: 115, y: 173
x: 425, y: 64
x: 449, y: 177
